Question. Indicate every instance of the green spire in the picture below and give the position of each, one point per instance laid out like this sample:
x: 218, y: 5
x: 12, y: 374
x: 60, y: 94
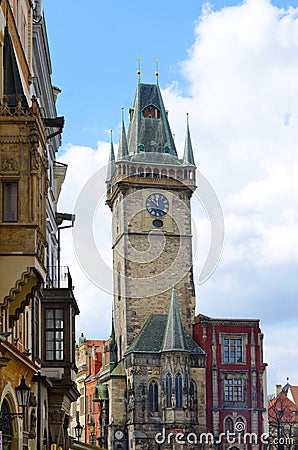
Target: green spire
x: 174, y: 338
x: 111, y: 164
x: 113, y: 347
x: 123, y: 147
x: 188, y: 157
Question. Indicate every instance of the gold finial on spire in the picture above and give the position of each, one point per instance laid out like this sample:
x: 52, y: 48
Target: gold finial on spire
x: 156, y: 72
x: 139, y: 69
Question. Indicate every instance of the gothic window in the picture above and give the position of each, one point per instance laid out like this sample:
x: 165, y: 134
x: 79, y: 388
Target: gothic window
x: 233, y: 350
x: 172, y: 173
x: 10, y: 202
x: 148, y: 172
x: 151, y: 112
x: 163, y: 173
x: 155, y: 173
x: 178, y: 390
x: 119, y: 285
x: 233, y: 390
x: 140, y: 171
x: 153, y: 396
x: 229, y: 425
x: 192, y: 396
x: 54, y: 333
x: 169, y: 390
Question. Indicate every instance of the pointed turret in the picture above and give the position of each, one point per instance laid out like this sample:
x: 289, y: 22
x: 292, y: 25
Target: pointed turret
x: 123, y: 147
x: 111, y: 164
x: 174, y: 337
x: 188, y: 158
x: 113, y: 347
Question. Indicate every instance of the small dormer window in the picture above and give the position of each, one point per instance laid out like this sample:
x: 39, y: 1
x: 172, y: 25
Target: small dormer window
x: 151, y: 112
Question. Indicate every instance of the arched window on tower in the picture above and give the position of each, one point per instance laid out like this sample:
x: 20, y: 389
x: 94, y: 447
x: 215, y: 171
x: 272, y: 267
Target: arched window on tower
x: 155, y: 173
x: 193, y: 402
x: 151, y: 112
x: 163, y: 173
x: 169, y: 390
x: 153, y: 396
x: 178, y: 390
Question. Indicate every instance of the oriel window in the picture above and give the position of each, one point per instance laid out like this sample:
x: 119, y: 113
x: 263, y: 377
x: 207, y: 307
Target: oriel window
x: 10, y: 202
x: 54, y: 330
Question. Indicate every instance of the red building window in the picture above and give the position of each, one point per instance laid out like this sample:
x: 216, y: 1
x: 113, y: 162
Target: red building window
x: 233, y: 390
x: 233, y: 351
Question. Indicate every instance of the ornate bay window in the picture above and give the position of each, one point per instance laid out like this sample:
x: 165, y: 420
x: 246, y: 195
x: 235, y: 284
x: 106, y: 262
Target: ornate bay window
x: 54, y: 335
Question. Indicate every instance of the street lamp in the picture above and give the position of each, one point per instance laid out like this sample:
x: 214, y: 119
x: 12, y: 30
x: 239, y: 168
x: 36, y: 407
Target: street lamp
x: 78, y: 430
x: 23, y: 393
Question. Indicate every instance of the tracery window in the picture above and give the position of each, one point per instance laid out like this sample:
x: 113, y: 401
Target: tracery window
x: 178, y: 390
x: 153, y: 396
x: 169, y: 390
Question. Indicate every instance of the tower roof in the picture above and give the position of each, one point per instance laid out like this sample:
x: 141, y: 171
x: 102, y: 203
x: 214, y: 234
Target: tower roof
x: 174, y: 337
x: 188, y: 157
x: 165, y: 333
x: 149, y: 129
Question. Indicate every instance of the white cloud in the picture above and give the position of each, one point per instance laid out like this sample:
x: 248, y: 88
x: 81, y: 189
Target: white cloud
x: 242, y: 73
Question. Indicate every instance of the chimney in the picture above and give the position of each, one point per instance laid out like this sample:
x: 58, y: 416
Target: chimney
x: 278, y: 388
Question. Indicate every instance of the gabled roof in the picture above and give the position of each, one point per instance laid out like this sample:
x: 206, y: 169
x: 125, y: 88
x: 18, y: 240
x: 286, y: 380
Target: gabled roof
x: 293, y: 394
x: 153, y: 335
x: 150, y: 338
x: 282, y: 408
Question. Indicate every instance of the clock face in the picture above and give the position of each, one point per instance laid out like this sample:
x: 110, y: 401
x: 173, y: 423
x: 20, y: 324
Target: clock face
x: 157, y: 205
x: 119, y: 435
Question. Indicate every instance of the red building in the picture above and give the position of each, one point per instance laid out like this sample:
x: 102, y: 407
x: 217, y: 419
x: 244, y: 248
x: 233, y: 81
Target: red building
x: 92, y: 406
x: 235, y: 380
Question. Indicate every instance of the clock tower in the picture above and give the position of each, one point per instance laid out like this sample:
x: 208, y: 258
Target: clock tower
x: 149, y: 189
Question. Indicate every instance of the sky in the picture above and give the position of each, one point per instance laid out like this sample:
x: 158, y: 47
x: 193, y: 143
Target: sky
x: 233, y: 66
